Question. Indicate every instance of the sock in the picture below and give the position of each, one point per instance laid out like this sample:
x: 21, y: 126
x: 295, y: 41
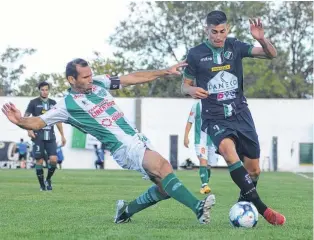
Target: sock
x: 175, y: 189
x: 40, y: 174
x: 242, y: 198
x: 51, y: 170
x: 147, y: 199
x: 204, y: 175
x: 209, y: 173
x: 241, y: 177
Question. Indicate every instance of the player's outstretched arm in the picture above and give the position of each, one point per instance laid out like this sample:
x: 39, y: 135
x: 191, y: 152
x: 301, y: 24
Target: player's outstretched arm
x: 267, y: 50
x: 14, y: 115
x: 148, y: 76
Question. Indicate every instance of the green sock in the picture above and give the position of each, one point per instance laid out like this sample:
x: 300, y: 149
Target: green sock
x: 147, y: 199
x: 209, y: 173
x: 204, y: 175
x: 175, y: 189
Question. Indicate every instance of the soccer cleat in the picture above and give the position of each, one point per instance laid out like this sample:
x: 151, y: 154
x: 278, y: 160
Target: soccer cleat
x: 205, y: 189
x: 203, y: 214
x: 273, y: 217
x: 42, y: 188
x: 121, y: 215
x: 48, y: 184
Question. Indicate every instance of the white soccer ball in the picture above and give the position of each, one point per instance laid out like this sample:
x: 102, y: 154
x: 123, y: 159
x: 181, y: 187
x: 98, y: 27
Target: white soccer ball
x: 243, y: 214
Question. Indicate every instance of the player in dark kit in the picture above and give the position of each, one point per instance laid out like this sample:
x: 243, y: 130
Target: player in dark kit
x: 44, y: 139
x: 215, y: 75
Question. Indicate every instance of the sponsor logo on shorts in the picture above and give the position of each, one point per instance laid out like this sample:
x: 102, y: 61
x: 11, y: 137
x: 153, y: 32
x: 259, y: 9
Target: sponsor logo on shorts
x: 221, y: 68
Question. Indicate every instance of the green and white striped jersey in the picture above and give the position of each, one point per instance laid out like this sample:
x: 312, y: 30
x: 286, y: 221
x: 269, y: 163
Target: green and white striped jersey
x: 95, y: 113
x: 195, y: 118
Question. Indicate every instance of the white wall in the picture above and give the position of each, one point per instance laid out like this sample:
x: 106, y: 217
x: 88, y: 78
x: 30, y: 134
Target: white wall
x: 290, y: 120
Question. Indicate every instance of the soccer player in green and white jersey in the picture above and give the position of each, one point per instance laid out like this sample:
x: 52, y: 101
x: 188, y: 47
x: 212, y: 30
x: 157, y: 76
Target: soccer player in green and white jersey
x: 204, y: 147
x: 90, y: 108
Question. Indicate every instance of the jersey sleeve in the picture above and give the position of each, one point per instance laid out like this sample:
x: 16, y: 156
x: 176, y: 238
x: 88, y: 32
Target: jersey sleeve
x: 57, y: 113
x: 190, y: 70
x: 192, y: 115
x: 110, y: 83
x: 245, y: 49
x: 30, y: 108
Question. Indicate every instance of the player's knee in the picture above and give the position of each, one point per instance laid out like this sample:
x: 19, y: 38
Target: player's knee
x: 203, y: 162
x: 165, y: 168
x: 53, y: 159
x: 39, y: 161
x: 254, y: 173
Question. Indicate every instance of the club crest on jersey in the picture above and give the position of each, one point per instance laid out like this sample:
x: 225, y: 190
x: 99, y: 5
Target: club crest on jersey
x: 228, y: 55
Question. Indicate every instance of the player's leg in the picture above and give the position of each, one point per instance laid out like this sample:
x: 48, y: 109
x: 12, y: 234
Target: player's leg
x: 38, y: 151
x: 201, y: 152
x: 167, y: 185
x: 51, y: 149
x: 227, y: 141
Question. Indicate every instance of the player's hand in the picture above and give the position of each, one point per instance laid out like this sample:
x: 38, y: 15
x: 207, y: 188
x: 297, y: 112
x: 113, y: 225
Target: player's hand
x: 186, y: 142
x: 198, y: 93
x: 31, y: 134
x: 63, y: 141
x: 12, y: 113
x: 257, y: 29
x: 174, y: 70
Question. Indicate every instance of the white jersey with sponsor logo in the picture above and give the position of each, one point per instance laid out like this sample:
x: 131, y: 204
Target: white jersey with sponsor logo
x: 95, y: 113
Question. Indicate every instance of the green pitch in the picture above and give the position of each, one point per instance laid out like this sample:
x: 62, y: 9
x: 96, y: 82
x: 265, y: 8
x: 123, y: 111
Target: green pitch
x: 82, y: 206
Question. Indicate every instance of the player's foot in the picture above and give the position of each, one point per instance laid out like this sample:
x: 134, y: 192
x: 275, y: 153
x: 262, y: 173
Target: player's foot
x: 42, y: 188
x: 205, y: 189
x: 48, y: 184
x: 121, y: 215
x: 273, y: 217
x: 203, y: 214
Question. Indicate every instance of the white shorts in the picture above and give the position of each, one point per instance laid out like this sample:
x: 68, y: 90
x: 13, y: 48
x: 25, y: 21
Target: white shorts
x: 131, y: 156
x: 206, y: 152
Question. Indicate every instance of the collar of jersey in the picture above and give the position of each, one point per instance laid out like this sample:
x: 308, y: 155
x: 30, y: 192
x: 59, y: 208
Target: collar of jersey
x: 211, y: 47
x: 74, y: 92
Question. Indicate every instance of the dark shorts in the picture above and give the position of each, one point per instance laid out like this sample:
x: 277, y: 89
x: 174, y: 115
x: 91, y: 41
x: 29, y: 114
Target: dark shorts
x: 241, y: 129
x: 40, y: 146
x: 22, y: 156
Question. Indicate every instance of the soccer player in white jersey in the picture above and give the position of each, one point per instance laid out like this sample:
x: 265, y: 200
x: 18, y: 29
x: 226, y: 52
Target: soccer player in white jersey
x: 204, y: 147
x: 90, y: 107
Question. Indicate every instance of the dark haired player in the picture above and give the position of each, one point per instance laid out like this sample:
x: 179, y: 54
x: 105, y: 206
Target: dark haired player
x: 44, y: 139
x: 215, y: 75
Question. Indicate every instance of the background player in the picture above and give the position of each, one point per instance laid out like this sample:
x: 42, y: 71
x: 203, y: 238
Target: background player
x: 90, y: 107
x: 100, y: 157
x: 60, y: 156
x: 204, y: 147
x: 21, y: 149
x: 215, y: 67
x: 44, y: 139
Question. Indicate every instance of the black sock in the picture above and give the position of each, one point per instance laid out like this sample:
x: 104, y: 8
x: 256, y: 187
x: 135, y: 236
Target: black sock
x: 51, y: 170
x: 241, y: 177
x: 40, y: 174
x: 242, y: 198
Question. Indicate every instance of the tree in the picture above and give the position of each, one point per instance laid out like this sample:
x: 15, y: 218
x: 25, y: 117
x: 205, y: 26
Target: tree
x: 10, y: 68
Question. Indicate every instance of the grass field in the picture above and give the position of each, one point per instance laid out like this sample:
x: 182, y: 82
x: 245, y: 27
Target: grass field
x: 82, y: 206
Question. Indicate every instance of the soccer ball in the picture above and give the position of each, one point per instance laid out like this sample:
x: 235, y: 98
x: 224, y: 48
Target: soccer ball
x: 243, y: 214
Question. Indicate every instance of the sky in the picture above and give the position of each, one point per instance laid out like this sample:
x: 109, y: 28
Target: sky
x: 60, y: 30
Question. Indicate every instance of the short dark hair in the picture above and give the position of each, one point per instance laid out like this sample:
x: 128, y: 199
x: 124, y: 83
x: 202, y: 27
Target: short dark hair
x: 95, y: 146
x: 216, y: 18
x: 71, y: 67
x: 22, y: 139
x: 42, y: 84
